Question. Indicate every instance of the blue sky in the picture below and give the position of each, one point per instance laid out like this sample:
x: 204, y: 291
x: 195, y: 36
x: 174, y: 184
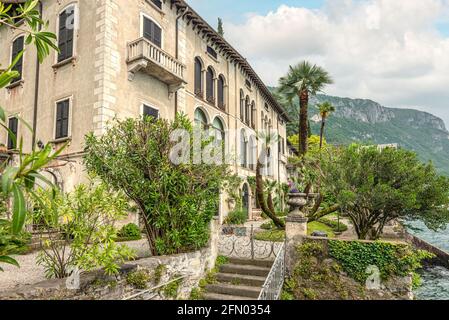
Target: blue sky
x: 237, y: 10
x: 395, y: 52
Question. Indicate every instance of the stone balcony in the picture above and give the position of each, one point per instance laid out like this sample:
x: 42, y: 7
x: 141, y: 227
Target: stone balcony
x: 144, y: 56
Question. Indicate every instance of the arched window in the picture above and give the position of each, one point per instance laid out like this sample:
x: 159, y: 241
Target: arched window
x: 219, y: 134
x: 266, y: 124
x: 253, y: 115
x: 252, y: 152
x: 243, y: 149
x: 200, y: 119
x: 198, y: 77
x: 210, y: 84
x: 221, y: 93
x: 247, y: 110
x: 242, y: 105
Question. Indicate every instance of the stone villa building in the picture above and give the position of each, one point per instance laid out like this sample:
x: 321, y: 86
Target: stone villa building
x: 122, y: 58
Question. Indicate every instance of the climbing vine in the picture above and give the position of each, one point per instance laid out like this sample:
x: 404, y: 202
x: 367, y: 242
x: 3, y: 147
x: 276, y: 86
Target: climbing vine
x: 391, y: 259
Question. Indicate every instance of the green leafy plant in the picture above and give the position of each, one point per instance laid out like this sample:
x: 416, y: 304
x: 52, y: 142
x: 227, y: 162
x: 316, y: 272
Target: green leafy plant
x: 159, y: 272
x: 85, y: 233
x: 138, y: 279
x: 391, y: 259
x: 374, y: 187
x: 130, y: 232
x: 335, y: 225
x: 18, y: 180
x: 274, y: 235
x: 176, y: 202
x: 171, y: 289
x: 237, y: 217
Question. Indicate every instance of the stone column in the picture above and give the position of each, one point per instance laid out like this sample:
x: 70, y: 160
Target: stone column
x: 295, y: 228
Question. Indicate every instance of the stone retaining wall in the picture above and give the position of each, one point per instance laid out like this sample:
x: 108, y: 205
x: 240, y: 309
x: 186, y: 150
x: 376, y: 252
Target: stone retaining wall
x: 97, y: 286
x: 442, y: 257
x: 395, y: 288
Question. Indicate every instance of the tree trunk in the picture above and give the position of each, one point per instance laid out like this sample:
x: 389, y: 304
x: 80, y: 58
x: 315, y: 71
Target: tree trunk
x: 324, y: 212
x: 261, y: 198
x: 303, y: 121
x: 323, y: 123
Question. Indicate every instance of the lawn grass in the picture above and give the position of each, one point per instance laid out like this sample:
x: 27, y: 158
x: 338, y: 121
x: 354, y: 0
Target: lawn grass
x: 270, y: 235
x: 318, y: 226
x: 279, y: 235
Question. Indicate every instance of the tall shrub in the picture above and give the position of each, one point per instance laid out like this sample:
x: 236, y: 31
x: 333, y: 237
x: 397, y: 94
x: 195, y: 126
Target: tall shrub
x: 375, y: 187
x: 176, y: 202
x: 77, y: 229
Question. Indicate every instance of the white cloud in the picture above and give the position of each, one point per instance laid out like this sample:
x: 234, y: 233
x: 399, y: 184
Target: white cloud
x: 386, y: 50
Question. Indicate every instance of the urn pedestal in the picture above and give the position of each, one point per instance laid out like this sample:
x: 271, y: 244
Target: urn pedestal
x: 295, y: 227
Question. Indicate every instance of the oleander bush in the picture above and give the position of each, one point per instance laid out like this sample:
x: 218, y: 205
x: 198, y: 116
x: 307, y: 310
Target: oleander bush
x: 175, y: 201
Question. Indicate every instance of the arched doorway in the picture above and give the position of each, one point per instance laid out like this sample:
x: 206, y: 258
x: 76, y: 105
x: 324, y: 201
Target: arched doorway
x: 245, y: 199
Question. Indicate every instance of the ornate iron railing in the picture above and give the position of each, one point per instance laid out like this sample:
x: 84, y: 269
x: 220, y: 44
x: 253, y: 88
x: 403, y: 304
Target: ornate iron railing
x: 272, y: 288
x: 239, y: 242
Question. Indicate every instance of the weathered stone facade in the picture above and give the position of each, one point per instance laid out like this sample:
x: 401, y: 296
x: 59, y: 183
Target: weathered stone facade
x: 102, y: 83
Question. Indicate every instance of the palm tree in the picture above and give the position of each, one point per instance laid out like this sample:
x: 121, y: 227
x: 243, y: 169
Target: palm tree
x: 325, y: 109
x: 303, y: 80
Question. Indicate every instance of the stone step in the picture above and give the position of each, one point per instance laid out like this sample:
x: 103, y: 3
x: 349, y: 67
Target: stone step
x: 229, y: 289
x: 249, y: 262
x: 245, y: 270
x: 241, y: 279
x: 217, y: 296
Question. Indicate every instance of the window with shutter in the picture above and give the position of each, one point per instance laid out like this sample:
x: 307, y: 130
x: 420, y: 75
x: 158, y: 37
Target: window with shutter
x: 198, y: 78
x: 152, y: 32
x: 157, y: 3
x: 247, y: 110
x: 253, y: 115
x: 242, y: 105
x: 62, y: 119
x: 66, y: 34
x: 210, y: 92
x: 13, y: 125
x: 17, y: 47
x: 150, y: 112
x: 212, y: 52
x: 220, y: 93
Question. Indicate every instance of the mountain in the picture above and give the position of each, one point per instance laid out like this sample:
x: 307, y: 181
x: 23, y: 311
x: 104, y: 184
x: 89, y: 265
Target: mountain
x: 366, y: 121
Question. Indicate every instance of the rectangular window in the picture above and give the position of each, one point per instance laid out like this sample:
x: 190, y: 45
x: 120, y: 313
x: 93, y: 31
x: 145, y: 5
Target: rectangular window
x: 13, y: 125
x: 212, y: 52
x: 17, y: 47
x: 62, y: 119
x: 16, y: 11
x: 152, y: 32
x: 157, y: 3
x: 66, y: 34
x: 248, y: 84
x: 150, y: 112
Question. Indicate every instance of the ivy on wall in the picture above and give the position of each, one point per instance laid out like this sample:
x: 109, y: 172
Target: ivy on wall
x: 391, y: 259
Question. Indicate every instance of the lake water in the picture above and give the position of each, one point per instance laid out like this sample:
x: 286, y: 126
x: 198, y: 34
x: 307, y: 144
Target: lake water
x: 436, y: 279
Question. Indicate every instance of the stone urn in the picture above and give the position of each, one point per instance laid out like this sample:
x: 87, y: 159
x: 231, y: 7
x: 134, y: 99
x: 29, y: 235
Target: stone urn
x: 297, y: 201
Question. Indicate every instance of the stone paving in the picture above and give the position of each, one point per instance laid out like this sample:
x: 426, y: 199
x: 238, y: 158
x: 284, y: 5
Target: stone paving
x: 30, y: 272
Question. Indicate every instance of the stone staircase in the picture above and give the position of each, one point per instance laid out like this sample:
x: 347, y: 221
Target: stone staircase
x: 239, y: 279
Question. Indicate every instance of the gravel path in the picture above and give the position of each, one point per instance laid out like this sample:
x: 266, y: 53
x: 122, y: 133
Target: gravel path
x: 30, y: 273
